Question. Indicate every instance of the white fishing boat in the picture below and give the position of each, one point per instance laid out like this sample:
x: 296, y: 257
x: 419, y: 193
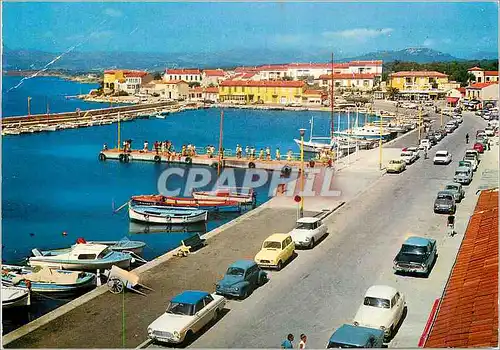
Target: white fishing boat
x: 160, y: 116
x: 236, y: 194
x: 313, y: 145
x: 15, y: 297
x: 365, y: 132
x: 46, y: 280
x: 81, y: 257
x: 123, y: 245
x: 166, y: 215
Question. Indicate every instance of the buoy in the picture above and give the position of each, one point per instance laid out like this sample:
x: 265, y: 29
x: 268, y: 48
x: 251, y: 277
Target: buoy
x: 64, y: 233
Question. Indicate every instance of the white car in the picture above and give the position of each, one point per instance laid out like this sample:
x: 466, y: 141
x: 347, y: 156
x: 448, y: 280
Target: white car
x: 383, y: 308
x: 471, y: 158
x: 458, y: 118
x: 489, y: 131
x: 415, y: 151
x: 408, y: 156
x: 425, y: 143
x: 442, y: 157
x: 308, y: 231
x: 186, y: 314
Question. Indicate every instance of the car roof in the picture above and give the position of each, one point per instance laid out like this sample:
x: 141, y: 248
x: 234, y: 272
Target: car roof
x: 445, y: 192
x: 463, y: 168
x: 453, y: 184
x: 189, y: 297
x: 442, y: 152
x: 354, y: 335
x: 243, y: 264
x: 380, y: 291
x: 277, y: 237
x: 417, y: 241
x: 308, y: 220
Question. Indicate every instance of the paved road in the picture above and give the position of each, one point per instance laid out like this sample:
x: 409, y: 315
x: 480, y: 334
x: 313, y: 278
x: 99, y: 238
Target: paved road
x: 323, y: 288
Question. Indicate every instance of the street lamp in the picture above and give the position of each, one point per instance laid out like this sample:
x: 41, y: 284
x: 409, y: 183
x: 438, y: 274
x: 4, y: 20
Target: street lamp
x: 301, y: 208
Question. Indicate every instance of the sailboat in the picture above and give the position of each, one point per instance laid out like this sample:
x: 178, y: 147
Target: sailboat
x: 314, y: 146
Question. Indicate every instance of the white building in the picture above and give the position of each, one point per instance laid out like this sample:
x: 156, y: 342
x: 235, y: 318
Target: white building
x: 212, y: 77
x: 483, y: 91
x: 188, y: 75
x: 484, y: 76
x: 349, y: 81
x: 173, y: 89
x: 204, y: 94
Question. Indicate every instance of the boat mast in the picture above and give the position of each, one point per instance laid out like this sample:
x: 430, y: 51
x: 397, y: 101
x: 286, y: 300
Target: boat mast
x: 220, y: 141
x: 312, y: 125
x: 350, y: 135
x: 332, y: 129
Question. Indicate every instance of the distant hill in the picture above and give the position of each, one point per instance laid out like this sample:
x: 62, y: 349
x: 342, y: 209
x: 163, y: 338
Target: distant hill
x: 418, y: 55
x: 98, y: 61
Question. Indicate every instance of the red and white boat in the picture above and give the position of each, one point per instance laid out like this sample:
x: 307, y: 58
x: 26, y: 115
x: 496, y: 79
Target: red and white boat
x: 207, y: 204
x: 236, y: 194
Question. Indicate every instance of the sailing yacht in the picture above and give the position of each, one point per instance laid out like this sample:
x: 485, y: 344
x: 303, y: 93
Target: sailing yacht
x: 315, y: 146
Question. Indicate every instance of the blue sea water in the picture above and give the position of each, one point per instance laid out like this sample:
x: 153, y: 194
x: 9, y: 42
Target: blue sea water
x: 53, y: 182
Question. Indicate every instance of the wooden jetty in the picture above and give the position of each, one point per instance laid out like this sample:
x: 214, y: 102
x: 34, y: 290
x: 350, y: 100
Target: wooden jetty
x: 283, y: 165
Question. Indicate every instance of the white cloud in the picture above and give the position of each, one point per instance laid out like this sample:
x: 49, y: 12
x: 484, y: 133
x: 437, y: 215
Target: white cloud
x: 113, y: 12
x: 358, y: 33
x: 429, y: 42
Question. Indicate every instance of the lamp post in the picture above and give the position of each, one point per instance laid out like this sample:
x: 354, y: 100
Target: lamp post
x: 301, y: 208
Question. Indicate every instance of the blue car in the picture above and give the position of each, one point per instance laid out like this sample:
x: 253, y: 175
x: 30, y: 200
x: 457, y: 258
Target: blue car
x: 241, y: 279
x: 349, y: 336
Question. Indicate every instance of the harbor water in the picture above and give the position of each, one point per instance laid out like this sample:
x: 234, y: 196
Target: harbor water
x: 55, y: 190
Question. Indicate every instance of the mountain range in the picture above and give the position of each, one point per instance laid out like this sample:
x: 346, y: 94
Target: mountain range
x: 98, y: 61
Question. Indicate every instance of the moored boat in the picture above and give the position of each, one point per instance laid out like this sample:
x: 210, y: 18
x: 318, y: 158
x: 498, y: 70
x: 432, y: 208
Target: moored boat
x: 236, y: 194
x: 140, y: 227
x: 166, y: 215
x: 15, y: 297
x: 206, y: 204
x: 47, y: 280
x: 123, y: 245
x: 81, y: 257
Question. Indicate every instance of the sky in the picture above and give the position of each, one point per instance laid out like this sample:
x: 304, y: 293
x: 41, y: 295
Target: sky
x: 347, y: 28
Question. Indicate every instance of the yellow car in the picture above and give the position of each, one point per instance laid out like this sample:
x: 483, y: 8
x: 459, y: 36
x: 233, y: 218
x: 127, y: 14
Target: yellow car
x: 276, y: 250
x: 396, y: 166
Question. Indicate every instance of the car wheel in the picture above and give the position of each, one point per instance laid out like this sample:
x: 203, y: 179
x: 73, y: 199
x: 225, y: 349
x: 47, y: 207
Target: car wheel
x: 246, y: 293
x: 311, y: 245
x: 279, y: 266
x: 188, y: 338
x: 216, y: 315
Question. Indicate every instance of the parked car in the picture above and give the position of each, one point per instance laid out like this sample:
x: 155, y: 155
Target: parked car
x: 308, y: 231
x: 478, y: 146
x: 457, y: 190
x: 484, y: 141
x: 425, y: 143
x: 408, y: 156
x: 383, y: 308
x: 349, y: 336
x: 445, y: 203
x: 396, y: 166
x: 473, y: 152
x: 490, y: 131
x: 463, y: 175
x: 472, y: 159
x: 442, y: 157
x: 186, y: 314
x: 416, y: 255
x: 458, y: 118
x: 276, y: 250
x: 480, y: 132
x: 466, y: 163
x: 415, y: 151
x: 241, y: 279
x: 438, y: 135
x: 449, y: 128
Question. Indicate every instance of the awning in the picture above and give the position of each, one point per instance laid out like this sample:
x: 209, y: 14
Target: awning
x: 452, y: 99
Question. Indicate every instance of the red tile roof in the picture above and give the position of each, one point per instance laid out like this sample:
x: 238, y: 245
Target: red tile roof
x: 431, y: 74
x: 183, y: 71
x: 248, y: 75
x: 288, y: 84
x: 366, y: 63
x: 468, y: 313
x: 481, y: 85
x: 137, y: 74
x: 273, y: 67
x: 214, y: 72
x: 127, y: 72
x: 347, y: 76
x: 491, y: 73
x: 212, y: 90
x: 172, y: 82
x: 313, y: 92
x: 475, y: 69
x: 462, y: 90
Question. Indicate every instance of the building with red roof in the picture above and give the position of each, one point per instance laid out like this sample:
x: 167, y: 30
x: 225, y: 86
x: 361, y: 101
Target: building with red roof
x: 171, y: 89
x: 483, y: 76
x: 204, y: 94
x: 126, y: 80
x: 467, y: 313
x: 212, y: 77
x: 268, y: 92
x: 189, y: 75
x: 483, y: 91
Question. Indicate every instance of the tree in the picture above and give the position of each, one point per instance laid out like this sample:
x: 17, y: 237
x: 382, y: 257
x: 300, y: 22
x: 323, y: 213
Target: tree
x: 194, y: 84
x: 157, y: 76
x: 392, y: 92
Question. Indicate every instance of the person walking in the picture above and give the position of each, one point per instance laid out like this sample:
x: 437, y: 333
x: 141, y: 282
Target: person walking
x: 288, y: 342
x: 268, y: 153
x: 278, y: 154
x: 261, y: 154
x: 247, y: 152
x: 303, y: 339
x: 467, y: 138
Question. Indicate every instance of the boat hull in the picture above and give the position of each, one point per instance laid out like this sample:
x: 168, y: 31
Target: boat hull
x: 160, y: 218
x: 314, y: 146
x: 136, y: 227
x: 205, y: 204
x: 13, y: 297
x: 130, y: 246
x: 233, y: 198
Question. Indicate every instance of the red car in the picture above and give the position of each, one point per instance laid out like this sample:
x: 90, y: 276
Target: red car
x: 479, y: 147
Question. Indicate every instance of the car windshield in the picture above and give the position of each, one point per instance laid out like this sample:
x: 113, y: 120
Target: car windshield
x: 272, y: 245
x: 451, y: 188
x: 411, y: 249
x: 305, y: 225
x: 461, y: 172
x: 470, y: 157
x: 394, y: 162
x: 377, y: 302
x: 235, y: 271
x: 180, y: 309
x: 444, y: 196
x: 406, y: 154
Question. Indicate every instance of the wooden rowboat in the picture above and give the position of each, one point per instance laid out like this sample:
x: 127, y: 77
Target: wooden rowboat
x: 240, y: 195
x: 166, y: 215
x: 186, y: 202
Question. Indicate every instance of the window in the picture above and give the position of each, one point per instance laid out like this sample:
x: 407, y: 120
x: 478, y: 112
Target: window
x: 272, y: 245
x: 409, y: 80
x: 235, y: 271
x: 377, y: 302
x: 86, y: 256
x: 180, y: 309
x: 208, y: 299
x: 199, y: 306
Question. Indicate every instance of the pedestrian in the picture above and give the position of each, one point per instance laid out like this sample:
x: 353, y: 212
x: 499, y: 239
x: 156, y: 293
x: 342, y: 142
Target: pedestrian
x: 278, y: 154
x: 252, y: 153
x: 467, y: 138
x: 303, y: 339
x: 261, y: 154
x: 289, y: 155
x: 247, y: 152
x: 268, y: 153
x: 146, y: 145
x: 105, y: 147
x: 287, y: 343
x: 238, y: 151
x: 156, y: 146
